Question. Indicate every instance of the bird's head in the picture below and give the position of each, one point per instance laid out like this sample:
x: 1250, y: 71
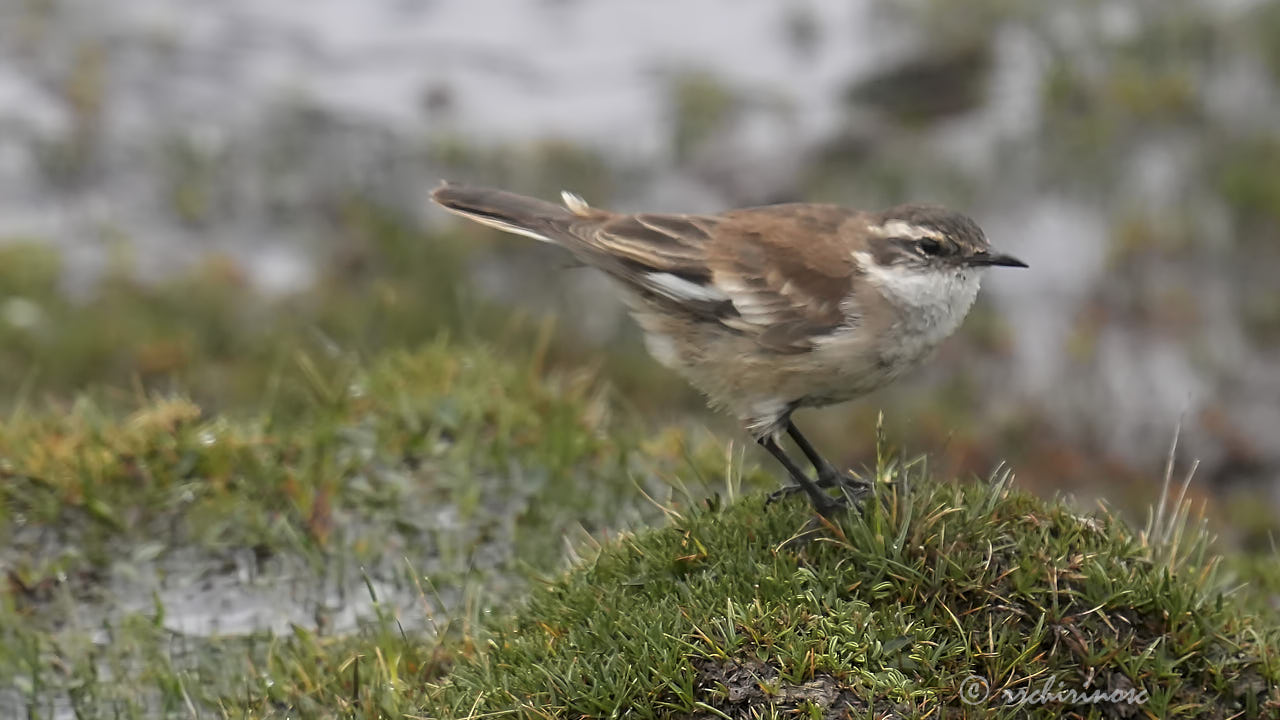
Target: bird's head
x: 930, y: 238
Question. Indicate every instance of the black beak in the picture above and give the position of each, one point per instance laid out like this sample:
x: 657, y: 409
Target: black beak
x: 985, y: 259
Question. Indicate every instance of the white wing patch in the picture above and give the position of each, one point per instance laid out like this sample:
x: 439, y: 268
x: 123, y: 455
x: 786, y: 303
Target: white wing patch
x: 756, y: 308
x: 681, y: 290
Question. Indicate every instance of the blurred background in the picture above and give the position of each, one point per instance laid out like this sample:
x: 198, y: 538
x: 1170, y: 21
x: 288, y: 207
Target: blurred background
x: 187, y: 188
x: 206, y: 200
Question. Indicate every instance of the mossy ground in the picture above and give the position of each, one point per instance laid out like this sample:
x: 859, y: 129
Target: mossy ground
x: 428, y: 484
x: 889, y: 613
x: 435, y: 483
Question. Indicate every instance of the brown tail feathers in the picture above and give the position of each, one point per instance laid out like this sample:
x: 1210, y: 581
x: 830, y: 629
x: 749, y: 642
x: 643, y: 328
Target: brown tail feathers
x: 513, y: 213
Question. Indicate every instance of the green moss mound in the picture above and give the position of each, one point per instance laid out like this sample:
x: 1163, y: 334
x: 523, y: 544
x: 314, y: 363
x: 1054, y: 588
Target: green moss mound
x: 938, y: 600
x: 892, y: 613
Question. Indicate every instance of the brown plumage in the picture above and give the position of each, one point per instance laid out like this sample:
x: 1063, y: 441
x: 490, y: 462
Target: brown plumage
x: 773, y: 308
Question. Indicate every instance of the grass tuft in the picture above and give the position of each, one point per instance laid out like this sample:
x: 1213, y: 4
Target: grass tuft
x: 889, y: 614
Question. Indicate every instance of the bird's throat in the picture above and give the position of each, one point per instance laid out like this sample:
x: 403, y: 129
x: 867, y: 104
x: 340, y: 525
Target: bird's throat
x: 929, y: 304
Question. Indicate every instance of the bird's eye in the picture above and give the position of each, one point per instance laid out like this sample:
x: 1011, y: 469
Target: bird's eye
x: 930, y: 246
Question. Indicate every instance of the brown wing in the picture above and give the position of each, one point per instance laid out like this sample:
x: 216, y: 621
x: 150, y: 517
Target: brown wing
x: 788, y: 271
x: 779, y: 274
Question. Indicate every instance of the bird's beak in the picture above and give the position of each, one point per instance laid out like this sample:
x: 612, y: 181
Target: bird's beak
x: 985, y: 259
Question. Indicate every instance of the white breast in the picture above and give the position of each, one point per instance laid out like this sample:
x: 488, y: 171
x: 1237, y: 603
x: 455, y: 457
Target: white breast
x: 932, y: 305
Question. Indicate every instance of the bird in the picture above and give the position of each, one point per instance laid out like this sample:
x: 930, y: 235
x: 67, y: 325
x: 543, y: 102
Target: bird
x: 769, y: 309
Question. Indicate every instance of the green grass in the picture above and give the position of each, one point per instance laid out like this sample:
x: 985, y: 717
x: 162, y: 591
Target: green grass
x: 387, y: 444
x: 418, y: 489
x: 427, y: 488
x: 720, y: 614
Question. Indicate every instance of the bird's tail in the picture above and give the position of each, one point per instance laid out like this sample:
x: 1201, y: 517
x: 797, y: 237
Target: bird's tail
x: 513, y: 213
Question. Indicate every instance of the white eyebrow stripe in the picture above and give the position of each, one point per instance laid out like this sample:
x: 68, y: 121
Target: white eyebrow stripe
x: 903, y: 229
x: 677, y: 288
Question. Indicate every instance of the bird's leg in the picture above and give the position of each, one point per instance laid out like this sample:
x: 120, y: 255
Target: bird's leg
x: 822, y: 502
x: 828, y: 476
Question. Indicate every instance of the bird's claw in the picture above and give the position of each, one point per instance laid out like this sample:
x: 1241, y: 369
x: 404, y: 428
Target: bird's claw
x: 783, y: 493
x: 849, y: 484
x: 852, y: 489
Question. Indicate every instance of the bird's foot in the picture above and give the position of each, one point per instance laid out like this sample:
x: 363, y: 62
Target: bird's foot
x: 826, y: 505
x: 852, y: 489
x: 783, y: 493
x: 850, y: 485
